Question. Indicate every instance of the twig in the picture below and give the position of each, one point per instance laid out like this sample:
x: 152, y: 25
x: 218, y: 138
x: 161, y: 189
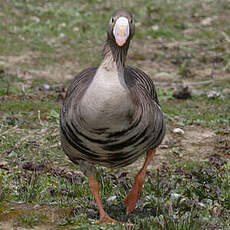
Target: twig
x: 186, y: 83
x: 9, y: 130
x: 39, y: 117
x: 226, y: 36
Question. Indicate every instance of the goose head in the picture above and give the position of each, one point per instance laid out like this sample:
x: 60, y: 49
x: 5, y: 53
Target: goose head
x: 121, y: 28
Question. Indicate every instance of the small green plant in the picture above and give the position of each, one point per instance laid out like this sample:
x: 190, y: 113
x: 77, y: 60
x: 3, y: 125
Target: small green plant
x: 30, y: 220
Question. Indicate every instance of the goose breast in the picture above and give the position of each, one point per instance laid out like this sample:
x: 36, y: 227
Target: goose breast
x: 107, y: 103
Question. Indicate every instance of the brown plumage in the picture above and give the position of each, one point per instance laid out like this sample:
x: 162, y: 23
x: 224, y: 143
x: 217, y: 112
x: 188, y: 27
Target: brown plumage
x: 111, y: 113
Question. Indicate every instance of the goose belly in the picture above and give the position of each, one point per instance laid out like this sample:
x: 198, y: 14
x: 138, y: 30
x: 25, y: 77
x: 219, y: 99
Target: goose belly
x: 106, y: 105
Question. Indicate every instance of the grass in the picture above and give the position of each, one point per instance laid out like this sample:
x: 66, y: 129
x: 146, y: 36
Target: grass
x: 42, y: 42
x: 180, y: 195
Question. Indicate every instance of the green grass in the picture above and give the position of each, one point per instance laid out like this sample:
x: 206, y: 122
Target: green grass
x: 30, y: 220
x: 175, y: 197
x: 48, y: 27
x: 210, y: 112
x: 40, y: 187
x: 180, y: 195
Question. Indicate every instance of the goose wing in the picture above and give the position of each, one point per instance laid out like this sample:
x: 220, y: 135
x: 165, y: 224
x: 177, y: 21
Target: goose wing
x: 136, y: 78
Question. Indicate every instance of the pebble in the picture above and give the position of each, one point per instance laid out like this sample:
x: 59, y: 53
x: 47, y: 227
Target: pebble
x: 226, y: 92
x: 37, y: 206
x: 46, y: 86
x: 3, y: 163
x: 111, y: 198
x: 175, y: 195
x: 155, y: 28
x: 213, y: 94
x: 35, y: 19
x: 178, y: 131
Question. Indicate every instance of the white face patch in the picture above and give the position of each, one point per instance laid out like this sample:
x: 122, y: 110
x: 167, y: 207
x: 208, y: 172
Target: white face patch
x: 121, y: 30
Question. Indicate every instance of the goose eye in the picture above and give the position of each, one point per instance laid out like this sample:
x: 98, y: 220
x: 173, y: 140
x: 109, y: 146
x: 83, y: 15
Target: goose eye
x: 112, y: 20
x: 131, y: 21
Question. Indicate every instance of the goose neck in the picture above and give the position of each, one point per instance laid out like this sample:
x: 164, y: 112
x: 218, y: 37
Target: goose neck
x: 115, y: 54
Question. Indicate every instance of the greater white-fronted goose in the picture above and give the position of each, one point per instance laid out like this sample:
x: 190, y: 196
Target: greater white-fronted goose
x: 111, y: 114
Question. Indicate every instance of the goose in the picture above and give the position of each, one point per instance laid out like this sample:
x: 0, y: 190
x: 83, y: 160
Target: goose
x: 111, y: 114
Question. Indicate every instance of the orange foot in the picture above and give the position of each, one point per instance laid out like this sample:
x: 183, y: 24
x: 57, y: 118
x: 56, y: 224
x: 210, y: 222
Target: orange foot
x: 134, y: 195
x: 108, y: 220
x: 131, y: 200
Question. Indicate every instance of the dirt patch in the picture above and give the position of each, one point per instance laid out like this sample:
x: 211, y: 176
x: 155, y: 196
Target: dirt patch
x: 161, y: 60
x: 10, y: 226
x: 197, y: 143
x: 56, y: 72
x: 178, y: 61
x: 17, y: 210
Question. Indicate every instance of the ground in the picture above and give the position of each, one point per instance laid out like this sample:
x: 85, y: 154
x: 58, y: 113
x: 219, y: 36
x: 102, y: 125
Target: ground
x: 184, y: 46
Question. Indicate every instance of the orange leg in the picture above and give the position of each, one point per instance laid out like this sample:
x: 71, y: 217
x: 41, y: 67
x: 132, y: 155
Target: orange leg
x: 94, y: 188
x: 134, y: 195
